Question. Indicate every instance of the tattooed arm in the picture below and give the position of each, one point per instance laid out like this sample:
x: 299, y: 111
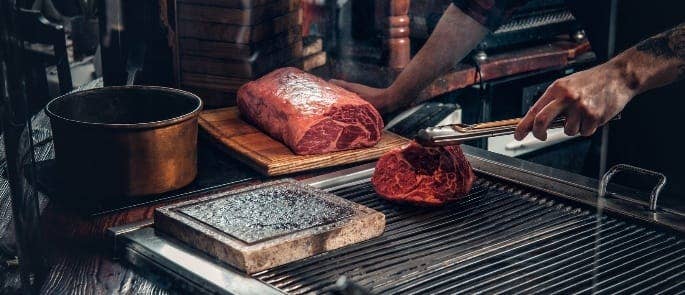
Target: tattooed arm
x: 459, y: 30
x: 453, y: 38
x: 662, y: 59
x: 592, y: 97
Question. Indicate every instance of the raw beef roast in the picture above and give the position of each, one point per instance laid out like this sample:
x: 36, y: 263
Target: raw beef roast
x: 308, y: 114
x: 423, y: 175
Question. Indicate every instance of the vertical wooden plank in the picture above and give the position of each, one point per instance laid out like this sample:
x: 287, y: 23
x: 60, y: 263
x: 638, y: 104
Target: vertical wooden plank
x: 396, y: 32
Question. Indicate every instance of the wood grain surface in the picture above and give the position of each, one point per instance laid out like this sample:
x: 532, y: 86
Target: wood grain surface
x: 529, y: 59
x: 212, y: 82
x: 271, y: 157
x: 553, y: 55
x: 241, y: 4
x: 236, y: 16
x: 213, y: 98
x: 238, y: 34
x: 217, y: 49
x: 248, y: 69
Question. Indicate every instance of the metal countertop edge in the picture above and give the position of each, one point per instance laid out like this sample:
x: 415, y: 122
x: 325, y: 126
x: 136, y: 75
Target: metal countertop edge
x: 145, y: 248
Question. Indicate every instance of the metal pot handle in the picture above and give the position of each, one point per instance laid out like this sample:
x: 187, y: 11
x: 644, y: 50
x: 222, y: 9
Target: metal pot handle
x: 636, y: 170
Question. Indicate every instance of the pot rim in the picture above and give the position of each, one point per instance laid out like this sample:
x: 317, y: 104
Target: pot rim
x: 153, y: 124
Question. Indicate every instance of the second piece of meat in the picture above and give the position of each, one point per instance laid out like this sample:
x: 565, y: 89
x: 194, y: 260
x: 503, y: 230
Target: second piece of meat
x: 420, y: 175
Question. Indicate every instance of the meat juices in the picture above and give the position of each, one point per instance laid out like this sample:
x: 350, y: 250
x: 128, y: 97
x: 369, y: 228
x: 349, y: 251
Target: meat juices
x: 308, y: 114
x: 428, y: 176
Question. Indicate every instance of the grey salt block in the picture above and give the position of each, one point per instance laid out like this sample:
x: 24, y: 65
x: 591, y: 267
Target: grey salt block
x: 268, y: 225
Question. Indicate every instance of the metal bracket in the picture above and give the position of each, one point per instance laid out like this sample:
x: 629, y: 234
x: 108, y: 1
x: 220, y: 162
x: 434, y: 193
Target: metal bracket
x: 637, y: 170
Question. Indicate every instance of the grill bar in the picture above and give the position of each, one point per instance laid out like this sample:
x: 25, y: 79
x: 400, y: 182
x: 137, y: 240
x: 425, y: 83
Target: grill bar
x: 499, y: 239
x: 583, y: 275
x: 405, y: 229
x: 489, y: 277
x: 645, y: 256
x: 423, y: 244
x: 676, y: 268
x: 466, y: 251
x: 584, y: 279
x: 556, y: 270
x: 659, y: 259
x: 370, y: 247
x: 457, y: 272
x: 678, y: 285
x: 413, y: 233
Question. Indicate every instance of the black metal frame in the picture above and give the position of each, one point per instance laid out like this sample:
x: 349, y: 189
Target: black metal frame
x: 19, y: 147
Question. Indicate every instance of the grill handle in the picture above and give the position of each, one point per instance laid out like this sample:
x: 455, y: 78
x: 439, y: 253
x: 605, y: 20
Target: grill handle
x: 636, y: 170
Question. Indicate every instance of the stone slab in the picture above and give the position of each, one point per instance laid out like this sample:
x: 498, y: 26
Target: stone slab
x: 268, y: 225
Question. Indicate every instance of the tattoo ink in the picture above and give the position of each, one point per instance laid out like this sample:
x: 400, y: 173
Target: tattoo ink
x: 670, y: 44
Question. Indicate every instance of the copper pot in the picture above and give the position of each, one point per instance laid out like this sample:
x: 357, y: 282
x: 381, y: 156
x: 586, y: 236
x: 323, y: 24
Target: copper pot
x: 125, y: 141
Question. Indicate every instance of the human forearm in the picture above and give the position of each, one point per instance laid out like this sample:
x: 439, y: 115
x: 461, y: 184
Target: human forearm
x: 462, y: 26
x: 592, y: 97
x: 654, y: 62
x: 455, y: 35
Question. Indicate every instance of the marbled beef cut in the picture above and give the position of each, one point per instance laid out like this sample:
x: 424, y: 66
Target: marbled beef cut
x: 423, y: 175
x: 308, y: 114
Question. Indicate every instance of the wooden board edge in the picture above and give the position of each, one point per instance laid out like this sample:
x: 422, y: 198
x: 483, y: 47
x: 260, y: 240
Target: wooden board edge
x: 229, y: 148
x: 280, y: 169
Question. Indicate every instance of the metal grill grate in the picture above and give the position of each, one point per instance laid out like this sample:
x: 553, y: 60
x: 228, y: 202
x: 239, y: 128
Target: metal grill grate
x: 497, y: 240
x: 533, y: 21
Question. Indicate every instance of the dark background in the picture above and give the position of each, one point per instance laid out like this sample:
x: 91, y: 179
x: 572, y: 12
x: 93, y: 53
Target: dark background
x: 650, y: 133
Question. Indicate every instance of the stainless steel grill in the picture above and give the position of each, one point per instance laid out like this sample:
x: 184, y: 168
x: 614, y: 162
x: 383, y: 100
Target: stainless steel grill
x: 524, y: 229
x: 499, y: 239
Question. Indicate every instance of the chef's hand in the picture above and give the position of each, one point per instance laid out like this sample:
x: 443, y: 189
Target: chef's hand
x: 587, y: 99
x: 382, y: 98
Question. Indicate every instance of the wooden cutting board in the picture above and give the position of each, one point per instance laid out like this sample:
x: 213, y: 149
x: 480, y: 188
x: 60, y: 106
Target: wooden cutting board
x: 271, y: 157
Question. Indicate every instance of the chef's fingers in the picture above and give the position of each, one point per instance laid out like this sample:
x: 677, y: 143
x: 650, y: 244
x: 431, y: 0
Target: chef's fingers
x: 526, y: 124
x: 589, y: 126
x: 545, y: 117
x: 572, y: 125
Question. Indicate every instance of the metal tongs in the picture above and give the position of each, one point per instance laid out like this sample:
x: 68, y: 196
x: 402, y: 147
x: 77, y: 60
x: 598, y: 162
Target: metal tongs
x: 458, y: 133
